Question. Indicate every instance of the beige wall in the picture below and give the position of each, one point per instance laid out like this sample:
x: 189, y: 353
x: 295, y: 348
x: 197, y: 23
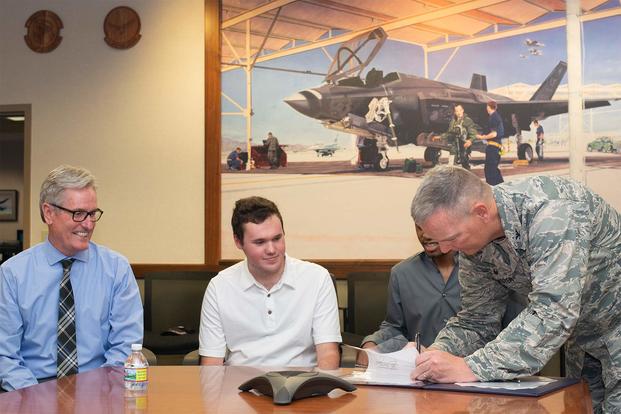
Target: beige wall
x: 134, y: 117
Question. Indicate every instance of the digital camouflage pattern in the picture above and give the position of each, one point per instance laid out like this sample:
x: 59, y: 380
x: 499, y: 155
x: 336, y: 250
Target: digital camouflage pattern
x: 562, y: 254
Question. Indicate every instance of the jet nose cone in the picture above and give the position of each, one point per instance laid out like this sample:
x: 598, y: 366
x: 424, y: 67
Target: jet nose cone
x: 299, y: 102
x: 305, y: 102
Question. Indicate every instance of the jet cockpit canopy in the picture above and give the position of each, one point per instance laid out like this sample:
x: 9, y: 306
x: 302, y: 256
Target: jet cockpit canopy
x: 355, y: 54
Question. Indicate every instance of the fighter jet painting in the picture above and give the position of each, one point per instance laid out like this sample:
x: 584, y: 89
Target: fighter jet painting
x: 326, y: 150
x: 397, y: 109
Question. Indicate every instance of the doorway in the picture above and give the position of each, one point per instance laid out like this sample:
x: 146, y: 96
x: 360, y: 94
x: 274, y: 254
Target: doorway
x: 15, y: 127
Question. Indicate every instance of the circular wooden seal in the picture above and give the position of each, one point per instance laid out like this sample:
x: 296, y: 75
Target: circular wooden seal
x: 43, y: 31
x: 122, y: 27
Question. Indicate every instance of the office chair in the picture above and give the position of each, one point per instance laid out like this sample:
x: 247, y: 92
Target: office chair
x: 172, y: 300
x: 367, y: 295
x: 150, y: 356
x: 191, y: 358
x: 8, y: 249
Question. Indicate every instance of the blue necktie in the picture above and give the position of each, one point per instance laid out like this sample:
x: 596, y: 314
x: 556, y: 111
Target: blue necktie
x: 67, y: 359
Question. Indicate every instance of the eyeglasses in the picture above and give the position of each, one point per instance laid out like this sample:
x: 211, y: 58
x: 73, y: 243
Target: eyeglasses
x: 81, y: 215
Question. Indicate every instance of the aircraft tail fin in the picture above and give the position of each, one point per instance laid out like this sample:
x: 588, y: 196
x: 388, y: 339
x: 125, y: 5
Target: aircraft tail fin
x: 478, y: 82
x: 548, y: 87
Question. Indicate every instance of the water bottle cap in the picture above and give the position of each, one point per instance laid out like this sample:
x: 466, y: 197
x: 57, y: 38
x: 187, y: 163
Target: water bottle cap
x: 136, y: 347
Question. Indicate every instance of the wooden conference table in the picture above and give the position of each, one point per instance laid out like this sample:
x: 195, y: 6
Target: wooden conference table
x: 193, y: 389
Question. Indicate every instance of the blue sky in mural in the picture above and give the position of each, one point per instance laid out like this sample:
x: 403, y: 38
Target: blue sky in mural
x: 499, y: 60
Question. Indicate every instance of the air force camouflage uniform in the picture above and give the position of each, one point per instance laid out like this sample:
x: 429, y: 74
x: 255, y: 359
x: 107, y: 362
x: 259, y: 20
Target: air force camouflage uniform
x: 562, y: 252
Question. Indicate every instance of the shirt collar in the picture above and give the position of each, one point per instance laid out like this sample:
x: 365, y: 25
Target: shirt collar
x: 247, y: 280
x: 509, y: 218
x: 54, y: 256
x: 429, y: 260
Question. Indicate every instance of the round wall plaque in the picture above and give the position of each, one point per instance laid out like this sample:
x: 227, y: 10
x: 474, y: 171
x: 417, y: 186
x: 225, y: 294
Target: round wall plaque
x: 43, y: 31
x: 122, y: 27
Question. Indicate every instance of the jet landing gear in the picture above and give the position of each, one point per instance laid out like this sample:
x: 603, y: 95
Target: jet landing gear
x: 382, y: 162
x: 525, y: 152
x: 372, y: 153
x: 461, y: 158
x: 432, y: 155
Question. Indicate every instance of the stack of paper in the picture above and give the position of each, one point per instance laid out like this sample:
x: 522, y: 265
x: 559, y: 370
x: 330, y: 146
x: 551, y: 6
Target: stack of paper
x: 393, y: 368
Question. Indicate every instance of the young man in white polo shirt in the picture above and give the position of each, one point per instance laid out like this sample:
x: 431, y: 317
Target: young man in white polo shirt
x: 270, y: 309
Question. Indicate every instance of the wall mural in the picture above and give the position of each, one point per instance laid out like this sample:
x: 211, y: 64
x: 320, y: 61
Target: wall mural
x: 357, y: 132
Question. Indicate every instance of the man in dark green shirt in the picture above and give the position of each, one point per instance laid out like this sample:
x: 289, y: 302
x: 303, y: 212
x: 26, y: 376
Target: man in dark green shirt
x: 272, y: 150
x: 423, y: 293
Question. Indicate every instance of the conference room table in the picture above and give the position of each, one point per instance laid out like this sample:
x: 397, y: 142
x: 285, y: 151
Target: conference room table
x: 194, y: 389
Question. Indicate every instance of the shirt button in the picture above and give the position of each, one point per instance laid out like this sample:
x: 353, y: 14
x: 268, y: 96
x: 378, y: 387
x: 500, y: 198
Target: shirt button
x: 269, y: 295
x: 269, y: 312
x: 444, y: 295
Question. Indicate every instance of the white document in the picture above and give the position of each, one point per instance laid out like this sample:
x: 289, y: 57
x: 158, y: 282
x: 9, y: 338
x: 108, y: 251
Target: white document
x: 393, y: 368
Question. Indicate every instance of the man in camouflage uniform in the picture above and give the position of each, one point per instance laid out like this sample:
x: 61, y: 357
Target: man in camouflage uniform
x: 552, y: 241
x: 272, y: 150
x: 461, y: 129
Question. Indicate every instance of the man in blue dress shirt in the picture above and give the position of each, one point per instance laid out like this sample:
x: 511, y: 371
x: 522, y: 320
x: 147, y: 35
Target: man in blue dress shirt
x: 108, y: 309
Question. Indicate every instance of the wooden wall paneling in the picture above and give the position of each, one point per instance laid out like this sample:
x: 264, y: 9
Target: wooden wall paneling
x: 212, y: 132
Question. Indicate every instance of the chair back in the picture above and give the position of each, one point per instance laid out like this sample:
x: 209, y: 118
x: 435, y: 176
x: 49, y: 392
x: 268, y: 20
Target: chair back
x: 367, y: 294
x: 174, y: 298
x: 151, y: 358
x: 191, y: 358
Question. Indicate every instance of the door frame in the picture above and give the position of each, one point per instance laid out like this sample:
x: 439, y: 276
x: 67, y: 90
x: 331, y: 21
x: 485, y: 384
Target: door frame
x: 26, y: 109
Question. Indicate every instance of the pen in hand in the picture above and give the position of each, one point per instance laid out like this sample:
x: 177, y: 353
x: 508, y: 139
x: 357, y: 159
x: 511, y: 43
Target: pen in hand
x: 417, y: 340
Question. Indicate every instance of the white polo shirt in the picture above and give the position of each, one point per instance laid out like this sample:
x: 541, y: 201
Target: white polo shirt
x: 279, y: 327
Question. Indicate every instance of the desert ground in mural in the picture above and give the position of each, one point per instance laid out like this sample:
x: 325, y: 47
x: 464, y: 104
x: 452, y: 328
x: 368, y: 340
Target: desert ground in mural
x: 360, y: 215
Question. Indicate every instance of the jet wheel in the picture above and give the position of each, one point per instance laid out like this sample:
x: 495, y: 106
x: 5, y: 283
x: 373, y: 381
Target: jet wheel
x: 525, y: 152
x: 381, y: 164
x: 432, y: 155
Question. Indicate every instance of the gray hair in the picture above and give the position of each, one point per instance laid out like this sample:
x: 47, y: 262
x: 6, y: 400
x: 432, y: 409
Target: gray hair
x: 450, y: 188
x: 63, y: 178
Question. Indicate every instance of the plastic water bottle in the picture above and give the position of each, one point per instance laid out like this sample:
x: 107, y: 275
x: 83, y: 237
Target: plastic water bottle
x: 136, y: 370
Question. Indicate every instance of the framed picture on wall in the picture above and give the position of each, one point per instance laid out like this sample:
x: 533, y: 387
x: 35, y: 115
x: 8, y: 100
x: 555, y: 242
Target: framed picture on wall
x: 8, y: 205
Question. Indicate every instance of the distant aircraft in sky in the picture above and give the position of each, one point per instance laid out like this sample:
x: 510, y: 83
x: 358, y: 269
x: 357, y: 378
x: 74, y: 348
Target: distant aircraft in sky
x: 327, y: 149
x: 533, y: 43
x: 535, y: 52
x: 523, y: 56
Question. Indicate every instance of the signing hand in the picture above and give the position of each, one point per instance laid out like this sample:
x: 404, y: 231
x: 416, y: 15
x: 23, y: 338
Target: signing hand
x: 467, y: 144
x: 440, y: 366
